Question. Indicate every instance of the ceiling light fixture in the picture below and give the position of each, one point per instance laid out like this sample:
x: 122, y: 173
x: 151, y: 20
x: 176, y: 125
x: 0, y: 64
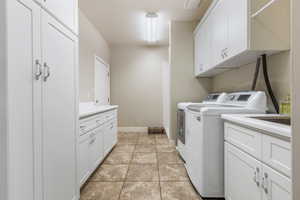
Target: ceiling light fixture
x: 191, y: 4
x: 151, y: 27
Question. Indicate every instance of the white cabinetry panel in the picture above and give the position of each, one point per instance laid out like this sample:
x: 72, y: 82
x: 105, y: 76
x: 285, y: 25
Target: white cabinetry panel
x: 242, y: 175
x: 59, y: 110
x: 277, y: 153
x: 66, y: 11
x: 24, y: 102
x: 275, y: 185
x: 238, y: 37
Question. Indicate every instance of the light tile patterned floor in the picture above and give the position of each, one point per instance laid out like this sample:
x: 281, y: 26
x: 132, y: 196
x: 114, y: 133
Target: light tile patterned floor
x: 140, y: 167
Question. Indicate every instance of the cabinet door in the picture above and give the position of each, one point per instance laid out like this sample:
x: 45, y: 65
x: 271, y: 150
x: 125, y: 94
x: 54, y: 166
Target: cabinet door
x: 97, y: 150
x: 237, y: 26
x: 242, y: 175
x: 219, y: 32
x: 83, y: 162
x: 275, y: 185
x: 24, y: 97
x: 106, y: 140
x: 65, y: 11
x: 59, y: 110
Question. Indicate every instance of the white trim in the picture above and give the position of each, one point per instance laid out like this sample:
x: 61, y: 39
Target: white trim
x: 133, y: 129
x: 3, y: 103
x: 108, y: 70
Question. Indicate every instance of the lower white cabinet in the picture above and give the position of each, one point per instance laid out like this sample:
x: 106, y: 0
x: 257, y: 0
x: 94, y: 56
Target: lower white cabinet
x: 249, y: 179
x: 95, y: 144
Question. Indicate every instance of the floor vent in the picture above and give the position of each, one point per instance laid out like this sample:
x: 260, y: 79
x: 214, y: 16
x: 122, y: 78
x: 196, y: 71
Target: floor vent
x: 156, y: 130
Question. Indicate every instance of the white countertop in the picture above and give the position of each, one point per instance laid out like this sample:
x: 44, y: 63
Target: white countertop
x: 272, y: 128
x: 89, y: 108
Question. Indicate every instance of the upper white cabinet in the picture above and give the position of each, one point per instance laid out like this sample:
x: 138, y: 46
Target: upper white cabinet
x: 237, y: 32
x: 66, y: 11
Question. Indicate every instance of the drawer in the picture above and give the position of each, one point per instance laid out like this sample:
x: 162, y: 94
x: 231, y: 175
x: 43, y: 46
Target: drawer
x: 91, y: 123
x: 248, y: 140
x: 277, y: 154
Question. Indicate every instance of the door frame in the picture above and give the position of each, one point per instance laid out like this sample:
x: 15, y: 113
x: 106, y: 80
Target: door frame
x: 295, y: 82
x: 98, y: 58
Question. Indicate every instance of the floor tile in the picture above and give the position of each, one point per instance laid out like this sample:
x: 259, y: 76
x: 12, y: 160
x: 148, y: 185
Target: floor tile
x: 110, y: 173
x: 178, y: 191
x: 144, y: 158
x: 165, y: 148
x: 146, y: 140
x: 140, y: 191
x: 101, y: 191
x: 172, y: 172
x: 161, y: 136
x: 145, y: 148
x: 118, y: 158
x: 146, y: 172
x: 128, y: 135
x: 125, y: 148
x: 126, y: 140
x: 168, y: 158
x: 162, y: 141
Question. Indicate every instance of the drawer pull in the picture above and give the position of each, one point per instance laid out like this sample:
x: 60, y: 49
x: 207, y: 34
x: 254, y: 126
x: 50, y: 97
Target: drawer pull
x: 82, y: 127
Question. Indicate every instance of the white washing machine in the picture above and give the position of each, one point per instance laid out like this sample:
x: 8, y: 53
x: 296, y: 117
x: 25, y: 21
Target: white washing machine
x: 204, y: 148
x: 211, y: 99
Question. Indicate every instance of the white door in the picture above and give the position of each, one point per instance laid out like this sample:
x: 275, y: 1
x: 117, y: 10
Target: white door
x: 237, y: 26
x: 275, y: 185
x: 242, y: 175
x: 65, y: 11
x: 199, y: 50
x: 59, y: 110
x: 101, y: 82
x: 24, y: 97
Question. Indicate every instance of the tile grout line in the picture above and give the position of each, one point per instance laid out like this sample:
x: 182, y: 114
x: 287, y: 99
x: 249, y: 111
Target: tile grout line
x: 124, y: 181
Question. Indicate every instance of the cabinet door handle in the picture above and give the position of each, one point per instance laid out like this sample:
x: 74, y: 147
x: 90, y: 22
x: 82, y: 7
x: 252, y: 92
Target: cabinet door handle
x: 256, y: 176
x: 265, y: 183
x: 46, y: 72
x: 198, y: 119
x: 38, y: 72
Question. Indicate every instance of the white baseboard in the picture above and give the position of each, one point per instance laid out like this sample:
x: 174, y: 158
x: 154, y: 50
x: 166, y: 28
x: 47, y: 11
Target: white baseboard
x: 133, y: 129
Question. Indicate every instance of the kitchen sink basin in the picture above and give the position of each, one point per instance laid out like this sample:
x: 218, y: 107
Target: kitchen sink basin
x: 280, y: 119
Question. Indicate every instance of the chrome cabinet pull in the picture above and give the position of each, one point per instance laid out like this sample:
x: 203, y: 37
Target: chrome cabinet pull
x: 265, y: 183
x: 46, y: 72
x: 38, y: 72
x: 256, y: 176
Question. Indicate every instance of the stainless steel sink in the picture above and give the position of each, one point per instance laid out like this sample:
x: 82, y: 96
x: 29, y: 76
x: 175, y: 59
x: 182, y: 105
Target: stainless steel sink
x: 280, y: 120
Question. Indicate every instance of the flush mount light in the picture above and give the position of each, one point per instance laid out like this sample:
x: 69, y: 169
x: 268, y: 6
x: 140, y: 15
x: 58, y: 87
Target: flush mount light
x: 151, y: 27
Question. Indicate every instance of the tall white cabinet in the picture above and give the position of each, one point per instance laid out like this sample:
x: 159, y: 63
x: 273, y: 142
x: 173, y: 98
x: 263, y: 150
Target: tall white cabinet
x: 39, y: 104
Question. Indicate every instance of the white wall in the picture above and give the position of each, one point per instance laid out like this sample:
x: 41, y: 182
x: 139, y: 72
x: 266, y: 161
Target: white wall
x: 296, y: 98
x: 136, y: 84
x: 91, y: 43
x: 279, y: 68
x: 184, y: 86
